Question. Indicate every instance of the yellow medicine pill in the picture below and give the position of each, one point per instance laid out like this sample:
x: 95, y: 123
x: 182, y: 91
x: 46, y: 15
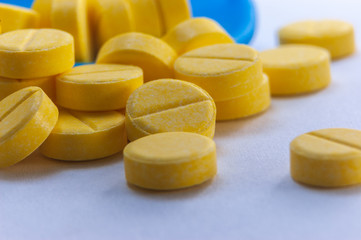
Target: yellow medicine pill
x: 334, y: 35
x: 168, y: 161
x: 174, y: 12
x: 71, y: 16
x: 97, y: 87
x: 169, y: 105
x: 147, y: 17
x: 225, y: 71
x: 80, y: 136
x: 116, y: 17
x: 14, y: 18
x: 327, y: 157
x: 35, y: 53
x: 9, y: 86
x: 195, y: 33
x: 153, y: 55
x: 253, y: 102
x: 296, y: 69
x: 43, y: 8
x: 26, y: 119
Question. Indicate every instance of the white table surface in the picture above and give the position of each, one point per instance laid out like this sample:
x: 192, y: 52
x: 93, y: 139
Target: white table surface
x: 252, y: 197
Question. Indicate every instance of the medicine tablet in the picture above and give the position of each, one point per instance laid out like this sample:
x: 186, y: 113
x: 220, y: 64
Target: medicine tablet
x: 168, y: 161
x: 35, y: 53
x: 296, y: 69
x: 26, y: 119
x: 9, y: 86
x: 43, y: 8
x: 153, y: 55
x: 253, y: 102
x: 147, y: 17
x: 80, y: 136
x: 174, y: 12
x: 115, y: 17
x: 14, y: 18
x: 195, y: 33
x: 97, y: 87
x: 327, y: 157
x: 225, y: 71
x: 334, y: 35
x: 71, y: 16
x: 169, y: 105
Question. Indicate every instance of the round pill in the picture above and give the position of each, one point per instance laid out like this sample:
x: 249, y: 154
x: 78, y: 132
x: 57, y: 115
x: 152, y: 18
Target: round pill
x: 153, y: 55
x: 168, y: 161
x: 43, y: 8
x: 296, y: 69
x: 225, y: 71
x: 117, y: 14
x: 253, y: 102
x: 71, y: 16
x: 174, y: 12
x: 26, y: 119
x: 80, y: 136
x: 14, y: 18
x: 334, y: 35
x: 147, y: 17
x: 97, y: 87
x: 327, y: 157
x: 169, y: 105
x: 195, y: 33
x: 35, y: 53
x: 9, y: 86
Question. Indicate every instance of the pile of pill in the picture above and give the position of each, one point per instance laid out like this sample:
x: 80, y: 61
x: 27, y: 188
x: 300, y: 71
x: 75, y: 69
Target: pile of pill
x: 160, y: 81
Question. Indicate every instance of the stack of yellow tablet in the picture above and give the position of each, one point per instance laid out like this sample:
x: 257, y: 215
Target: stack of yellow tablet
x: 194, y: 74
x: 231, y: 74
x: 94, y: 22
x: 33, y: 57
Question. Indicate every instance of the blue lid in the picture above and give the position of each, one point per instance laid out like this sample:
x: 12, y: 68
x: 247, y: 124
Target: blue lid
x: 238, y: 17
x: 24, y: 3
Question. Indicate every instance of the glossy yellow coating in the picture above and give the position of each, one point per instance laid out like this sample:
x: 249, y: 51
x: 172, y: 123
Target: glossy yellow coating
x: 195, y: 33
x: 336, y: 36
x: 72, y: 16
x: 169, y: 105
x: 253, y: 102
x: 327, y: 157
x: 174, y: 12
x: 296, y: 69
x: 14, y: 18
x: 26, y: 119
x: 225, y: 71
x: 80, y: 136
x: 115, y: 17
x: 168, y: 161
x: 9, y: 86
x: 97, y: 87
x: 43, y: 8
x: 153, y: 55
x: 147, y: 18
x: 35, y: 53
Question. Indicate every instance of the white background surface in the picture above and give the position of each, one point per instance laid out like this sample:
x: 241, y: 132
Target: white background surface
x: 252, y: 197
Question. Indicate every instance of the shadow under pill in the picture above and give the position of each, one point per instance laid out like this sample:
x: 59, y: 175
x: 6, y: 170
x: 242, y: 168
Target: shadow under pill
x: 226, y: 128
x: 184, y: 193
x: 36, y: 166
x: 288, y: 185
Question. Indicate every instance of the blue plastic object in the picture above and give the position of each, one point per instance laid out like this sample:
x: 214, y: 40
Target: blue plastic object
x: 23, y: 3
x: 238, y: 17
